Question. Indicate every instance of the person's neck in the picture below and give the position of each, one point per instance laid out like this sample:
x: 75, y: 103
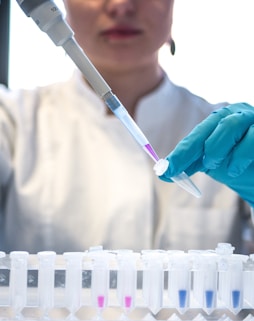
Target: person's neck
x: 131, y: 85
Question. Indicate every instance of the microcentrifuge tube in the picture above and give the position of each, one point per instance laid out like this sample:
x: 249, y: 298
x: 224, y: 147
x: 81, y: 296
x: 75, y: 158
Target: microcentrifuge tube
x: 181, y: 180
x: 18, y: 281
x: 73, y: 280
x: 179, y: 281
x: 248, y: 281
x: 126, y: 279
x: 100, y: 280
x: 236, y: 283
x: 46, y: 277
x: 205, y: 280
x: 230, y: 288
x: 153, y: 279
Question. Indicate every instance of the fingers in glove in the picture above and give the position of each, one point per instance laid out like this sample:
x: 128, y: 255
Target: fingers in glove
x: 225, y: 137
x: 242, y: 155
x: 190, y: 150
x: 193, y: 168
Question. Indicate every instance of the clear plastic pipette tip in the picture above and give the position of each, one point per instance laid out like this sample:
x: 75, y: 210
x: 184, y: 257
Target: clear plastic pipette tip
x: 181, y: 180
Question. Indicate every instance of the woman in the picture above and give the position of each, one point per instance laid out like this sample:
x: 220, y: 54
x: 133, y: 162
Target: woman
x: 74, y: 177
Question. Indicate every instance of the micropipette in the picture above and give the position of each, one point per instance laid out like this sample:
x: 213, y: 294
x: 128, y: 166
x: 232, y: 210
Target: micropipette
x: 50, y: 20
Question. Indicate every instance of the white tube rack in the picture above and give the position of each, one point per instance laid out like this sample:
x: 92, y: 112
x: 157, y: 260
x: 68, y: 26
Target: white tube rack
x: 155, y: 280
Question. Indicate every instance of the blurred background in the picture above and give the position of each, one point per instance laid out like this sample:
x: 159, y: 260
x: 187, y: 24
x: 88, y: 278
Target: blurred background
x: 213, y: 59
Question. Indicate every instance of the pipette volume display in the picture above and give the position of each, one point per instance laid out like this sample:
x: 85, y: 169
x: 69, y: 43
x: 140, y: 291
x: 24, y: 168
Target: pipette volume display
x: 50, y: 20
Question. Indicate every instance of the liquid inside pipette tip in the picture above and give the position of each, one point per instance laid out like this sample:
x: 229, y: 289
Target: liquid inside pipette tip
x: 150, y: 151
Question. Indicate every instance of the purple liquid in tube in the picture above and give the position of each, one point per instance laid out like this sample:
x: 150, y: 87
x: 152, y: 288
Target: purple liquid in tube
x: 100, y: 301
x: 128, y: 300
x: 150, y: 151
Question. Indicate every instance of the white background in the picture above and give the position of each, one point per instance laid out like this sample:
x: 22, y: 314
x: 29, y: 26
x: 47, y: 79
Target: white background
x: 214, y: 50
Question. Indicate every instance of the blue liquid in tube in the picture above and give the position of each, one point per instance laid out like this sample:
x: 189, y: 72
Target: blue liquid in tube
x: 182, y: 298
x: 209, y: 298
x: 236, y: 298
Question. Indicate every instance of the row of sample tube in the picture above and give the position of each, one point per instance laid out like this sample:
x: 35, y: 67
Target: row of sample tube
x: 152, y: 279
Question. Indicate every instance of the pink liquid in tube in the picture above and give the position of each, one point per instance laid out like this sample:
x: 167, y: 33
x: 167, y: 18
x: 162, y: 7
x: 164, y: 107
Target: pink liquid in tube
x: 128, y: 301
x: 150, y: 151
x: 101, y: 301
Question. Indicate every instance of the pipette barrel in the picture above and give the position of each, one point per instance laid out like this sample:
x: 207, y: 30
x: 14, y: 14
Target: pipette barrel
x: 50, y: 20
x: 86, y: 67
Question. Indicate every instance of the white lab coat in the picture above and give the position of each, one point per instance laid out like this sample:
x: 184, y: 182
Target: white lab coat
x: 73, y: 177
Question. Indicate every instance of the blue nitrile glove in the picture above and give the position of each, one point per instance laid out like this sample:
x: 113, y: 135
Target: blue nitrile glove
x: 222, y: 146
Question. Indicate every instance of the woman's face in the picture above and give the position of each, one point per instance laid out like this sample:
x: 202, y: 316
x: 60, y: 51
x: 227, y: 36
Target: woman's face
x: 120, y: 33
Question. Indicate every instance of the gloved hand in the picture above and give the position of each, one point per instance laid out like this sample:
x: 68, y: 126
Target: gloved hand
x: 222, y: 146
